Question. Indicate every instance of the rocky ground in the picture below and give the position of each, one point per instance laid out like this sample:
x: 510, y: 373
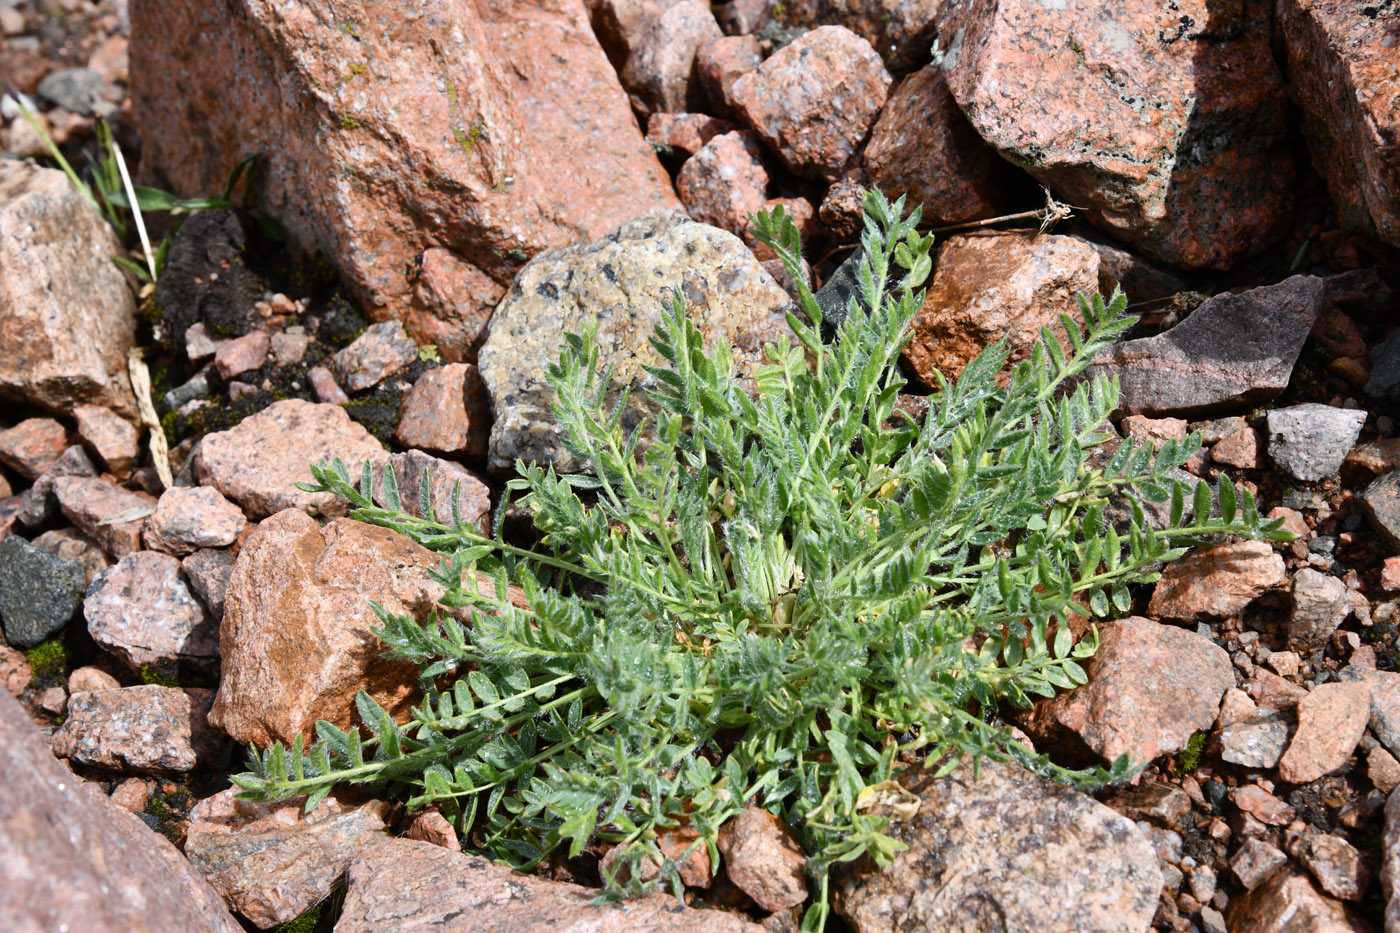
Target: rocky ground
x: 442, y: 190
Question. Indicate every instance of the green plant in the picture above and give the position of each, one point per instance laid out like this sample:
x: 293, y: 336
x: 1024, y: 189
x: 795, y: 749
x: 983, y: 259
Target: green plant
x: 47, y: 659
x: 1189, y: 758
x: 782, y: 597
x: 111, y: 192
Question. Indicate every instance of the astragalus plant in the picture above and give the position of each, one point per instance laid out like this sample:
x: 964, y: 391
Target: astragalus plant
x: 781, y: 591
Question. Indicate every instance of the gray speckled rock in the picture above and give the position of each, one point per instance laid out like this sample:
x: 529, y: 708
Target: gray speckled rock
x: 1258, y: 742
x: 149, y: 728
x: 39, y: 591
x: 1320, y: 603
x: 1310, y: 441
x: 73, y: 860
x: 621, y: 282
x: 1009, y: 851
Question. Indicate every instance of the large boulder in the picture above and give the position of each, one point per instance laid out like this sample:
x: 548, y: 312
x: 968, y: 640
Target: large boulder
x: 493, y: 130
x: 73, y: 860
x: 1165, y: 121
x: 67, y: 318
x: 620, y: 282
x: 1343, y: 69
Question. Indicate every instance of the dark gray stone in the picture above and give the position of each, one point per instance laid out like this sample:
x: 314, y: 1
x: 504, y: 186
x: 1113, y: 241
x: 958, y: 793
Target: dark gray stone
x: 1385, y: 369
x: 75, y: 89
x: 1380, y: 501
x: 40, y: 503
x: 1230, y: 354
x: 207, y: 572
x: 1310, y: 441
x: 39, y: 591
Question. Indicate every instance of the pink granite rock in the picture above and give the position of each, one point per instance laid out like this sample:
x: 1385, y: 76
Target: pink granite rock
x: 1336, y: 864
x: 289, y: 347
x: 720, y: 62
x: 1151, y: 687
x: 86, y: 864
x: 979, y: 856
x: 1290, y: 901
x: 815, y: 100
x: 683, y: 134
x: 40, y: 503
x: 69, y: 317
x: 660, y: 71
x: 1216, y: 582
x: 988, y: 286
x: 1341, y: 68
x: 1320, y: 603
x: 922, y: 147
x: 1241, y: 449
x: 32, y: 446
x: 1331, y: 720
x: 272, y: 861
x: 151, y: 729
x: 1262, y: 805
x: 296, y: 637
x: 900, y: 30
x: 242, y: 354
x: 725, y: 182
x: 404, y: 885
x: 431, y: 826
x: 74, y: 545
x: 452, y: 305
x: 492, y: 130
x: 1390, y: 865
x: 188, y: 518
x: 1165, y: 122
x: 323, y: 383
x: 15, y: 672
x: 1256, y: 862
x: 140, y: 610
x: 258, y: 462
x: 473, y: 504
x: 206, y: 572
x: 131, y: 795
x: 87, y: 678
x: 108, y: 514
x: 763, y: 859
x: 447, y: 411
x: 109, y: 435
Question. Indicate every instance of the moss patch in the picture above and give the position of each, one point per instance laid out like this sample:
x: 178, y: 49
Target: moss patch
x: 48, y: 660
